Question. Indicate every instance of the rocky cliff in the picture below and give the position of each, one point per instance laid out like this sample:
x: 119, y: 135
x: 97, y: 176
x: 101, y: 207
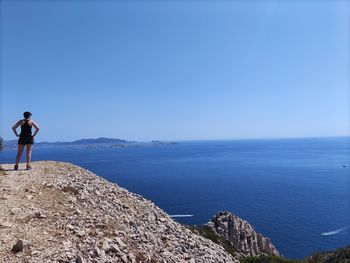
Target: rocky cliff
x: 58, y: 212
x: 241, y: 234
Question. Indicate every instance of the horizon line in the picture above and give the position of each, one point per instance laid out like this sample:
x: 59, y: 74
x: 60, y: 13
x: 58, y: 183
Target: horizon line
x: 197, y: 140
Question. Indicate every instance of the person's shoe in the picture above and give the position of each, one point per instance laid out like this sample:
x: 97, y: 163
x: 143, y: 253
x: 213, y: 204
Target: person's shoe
x: 29, y: 167
x: 16, y: 167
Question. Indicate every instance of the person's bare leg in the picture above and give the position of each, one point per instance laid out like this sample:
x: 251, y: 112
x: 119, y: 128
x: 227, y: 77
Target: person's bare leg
x: 29, y: 155
x: 19, y: 154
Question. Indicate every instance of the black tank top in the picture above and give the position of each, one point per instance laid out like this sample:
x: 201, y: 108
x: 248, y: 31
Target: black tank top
x: 26, y: 129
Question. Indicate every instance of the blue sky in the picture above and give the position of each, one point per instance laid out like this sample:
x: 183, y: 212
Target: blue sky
x: 176, y: 70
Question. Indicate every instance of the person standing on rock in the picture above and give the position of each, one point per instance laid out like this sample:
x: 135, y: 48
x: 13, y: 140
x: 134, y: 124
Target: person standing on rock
x: 26, y: 138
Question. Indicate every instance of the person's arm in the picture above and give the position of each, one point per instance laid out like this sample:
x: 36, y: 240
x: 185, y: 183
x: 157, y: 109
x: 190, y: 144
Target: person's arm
x: 15, y: 127
x: 36, y: 128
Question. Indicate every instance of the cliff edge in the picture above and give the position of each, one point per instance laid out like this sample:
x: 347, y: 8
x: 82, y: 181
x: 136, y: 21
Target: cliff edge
x: 59, y: 212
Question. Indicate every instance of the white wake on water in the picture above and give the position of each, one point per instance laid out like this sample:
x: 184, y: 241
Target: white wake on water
x: 334, y: 232
x: 181, y: 216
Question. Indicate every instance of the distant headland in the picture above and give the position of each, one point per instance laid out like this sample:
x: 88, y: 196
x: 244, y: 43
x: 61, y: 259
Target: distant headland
x: 92, y: 143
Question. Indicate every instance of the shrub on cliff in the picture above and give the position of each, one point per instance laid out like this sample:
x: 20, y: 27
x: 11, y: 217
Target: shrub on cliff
x: 341, y: 255
x: 210, y: 234
x: 267, y: 259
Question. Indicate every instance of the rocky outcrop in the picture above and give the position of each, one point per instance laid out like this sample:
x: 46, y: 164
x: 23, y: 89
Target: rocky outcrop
x: 241, y: 234
x: 59, y: 212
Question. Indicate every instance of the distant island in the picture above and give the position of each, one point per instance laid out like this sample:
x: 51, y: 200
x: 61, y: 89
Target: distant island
x: 92, y: 143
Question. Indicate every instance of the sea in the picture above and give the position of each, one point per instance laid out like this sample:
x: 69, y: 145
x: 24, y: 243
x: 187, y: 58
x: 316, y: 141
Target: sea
x: 294, y: 191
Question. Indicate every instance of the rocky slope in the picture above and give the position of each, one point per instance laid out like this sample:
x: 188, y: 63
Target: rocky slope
x: 241, y: 234
x: 58, y: 212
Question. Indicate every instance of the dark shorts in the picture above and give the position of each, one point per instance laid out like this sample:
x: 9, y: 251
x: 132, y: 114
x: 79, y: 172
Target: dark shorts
x: 26, y: 140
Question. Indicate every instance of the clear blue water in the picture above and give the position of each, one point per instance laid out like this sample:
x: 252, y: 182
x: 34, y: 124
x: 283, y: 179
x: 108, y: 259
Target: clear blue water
x: 290, y: 190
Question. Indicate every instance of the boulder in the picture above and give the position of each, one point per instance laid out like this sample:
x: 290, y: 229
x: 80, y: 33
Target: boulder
x: 20, y: 245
